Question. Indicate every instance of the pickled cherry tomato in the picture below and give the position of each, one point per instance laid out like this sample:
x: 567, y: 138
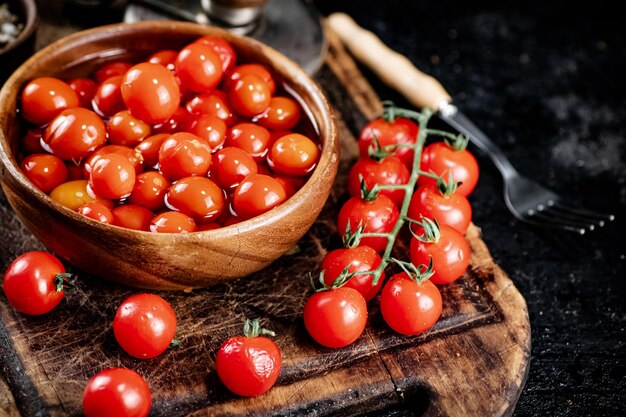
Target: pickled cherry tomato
x: 172, y: 222
x: 199, y: 67
x: 149, y: 148
x: 131, y: 154
x: 252, y: 138
x: 165, y: 57
x: 231, y: 166
x: 223, y: 50
x: 178, y: 122
x: 184, y: 155
x: 132, y: 217
x: 97, y: 211
x: 108, y: 98
x: 112, y: 176
x: 85, y: 89
x: 149, y: 191
x: 256, y: 69
x: 210, y: 128
x: 75, y: 172
x: 45, y: 171
x: 256, y: 195
x: 293, y: 154
x: 111, y: 69
x: 215, y: 104
x: 282, y: 113
x: 44, y: 98
x: 31, y: 142
x: 197, y: 197
x: 151, y: 92
x: 125, y: 129
x: 249, y: 95
x: 73, y: 195
x: 208, y: 226
x: 74, y: 133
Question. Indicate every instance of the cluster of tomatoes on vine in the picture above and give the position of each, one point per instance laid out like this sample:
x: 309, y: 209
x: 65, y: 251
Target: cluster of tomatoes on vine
x: 382, y: 184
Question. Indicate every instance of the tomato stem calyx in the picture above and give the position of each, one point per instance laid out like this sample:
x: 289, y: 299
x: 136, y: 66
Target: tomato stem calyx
x: 449, y: 187
x: 252, y: 328
x: 175, y: 343
x: 64, y: 282
x: 418, y: 273
x: 458, y: 142
x: 431, y: 228
x: 377, y: 152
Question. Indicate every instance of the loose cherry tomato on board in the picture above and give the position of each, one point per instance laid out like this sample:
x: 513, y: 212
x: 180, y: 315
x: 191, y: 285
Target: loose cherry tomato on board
x: 215, y: 104
x: 197, y: 197
x: 184, y: 155
x: 172, y: 222
x: 283, y: 113
x: 111, y: 69
x: 388, y: 171
x: 165, y: 57
x: 117, y: 392
x: 85, y: 89
x: 335, y: 318
x: 144, y: 325
x: 149, y: 148
x: 223, y: 49
x: 73, y: 194
x: 150, y: 92
x: 74, y: 133
x: 256, y: 69
x: 96, y: 211
x: 256, y: 195
x: 199, y: 67
x: 250, y: 137
x: 34, y: 283
x: 108, y: 99
x: 44, y: 98
x: 132, y: 216
x: 398, y: 132
x: 432, y: 202
x: 446, y: 246
x: 133, y: 156
x: 231, y: 166
x: 293, y: 154
x: 249, y: 365
x: 210, y: 128
x: 359, y: 259
x: 112, y: 176
x: 377, y: 216
x: 249, y: 95
x: 45, y: 171
x: 149, y: 191
x: 409, y: 307
x: 125, y: 129
x: 442, y: 158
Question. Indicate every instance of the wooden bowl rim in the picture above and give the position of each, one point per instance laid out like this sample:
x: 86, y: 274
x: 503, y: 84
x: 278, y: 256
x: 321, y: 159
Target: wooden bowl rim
x: 327, y: 129
x: 31, y: 17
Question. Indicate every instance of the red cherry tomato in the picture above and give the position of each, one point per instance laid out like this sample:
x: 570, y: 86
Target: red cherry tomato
x: 215, y: 104
x: 223, y: 49
x: 184, y: 155
x: 399, y: 132
x: 149, y: 191
x: 75, y: 172
x: 45, y: 171
x: 249, y: 95
x: 450, y: 254
x: 378, y: 216
x: 144, y: 325
x: 440, y: 158
x: 282, y: 113
x: 111, y: 69
x: 172, y: 222
x: 149, y: 148
x: 453, y: 210
x: 293, y: 154
x: 112, y: 176
x: 30, y: 283
x: 287, y: 184
x: 165, y: 57
x: 108, y: 99
x: 248, y: 365
x: 255, y: 69
x: 335, y: 318
x: 150, y: 92
x: 179, y: 121
x: 85, y: 89
x: 210, y: 128
x: 208, y: 226
x: 199, y: 67
x: 389, y: 171
x: 74, y: 133
x: 197, y: 197
x: 44, y: 98
x: 231, y: 166
x: 410, y: 308
x: 256, y: 195
x: 125, y: 129
x: 97, y: 211
x: 252, y: 138
x: 31, y: 142
x: 131, y: 216
x: 117, y: 392
x: 133, y: 156
x: 360, y: 259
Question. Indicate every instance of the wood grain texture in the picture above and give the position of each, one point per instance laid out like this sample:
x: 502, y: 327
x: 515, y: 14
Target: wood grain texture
x: 473, y: 362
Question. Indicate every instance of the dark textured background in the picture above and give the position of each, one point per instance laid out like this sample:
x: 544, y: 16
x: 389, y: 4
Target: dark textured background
x: 548, y: 82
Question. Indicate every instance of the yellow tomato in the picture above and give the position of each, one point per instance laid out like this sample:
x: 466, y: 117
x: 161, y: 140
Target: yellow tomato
x: 73, y: 195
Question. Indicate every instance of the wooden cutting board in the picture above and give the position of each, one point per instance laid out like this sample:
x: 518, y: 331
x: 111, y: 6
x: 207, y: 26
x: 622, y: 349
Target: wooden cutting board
x: 474, y: 362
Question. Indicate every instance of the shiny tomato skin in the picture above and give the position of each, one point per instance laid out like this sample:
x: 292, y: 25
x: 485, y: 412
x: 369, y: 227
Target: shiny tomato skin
x: 256, y: 195
x: 85, y: 89
x: 248, y: 366
x: 410, y: 308
x: 172, y: 222
x: 108, y: 98
x: 223, y: 49
x: 440, y: 158
x: 197, y: 197
x: 283, y: 113
x: 29, y: 283
x: 378, y: 216
x: 453, y: 210
x: 178, y: 122
x: 199, y: 67
x: 400, y: 131
x: 75, y: 133
x: 250, y: 137
x: 450, y: 254
x: 112, y: 177
x: 144, y: 325
x: 74, y: 194
x: 250, y: 95
x: 125, y: 129
x: 165, y: 57
x: 256, y: 69
x: 359, y: 259
x: 111, y: 69
x: 44, y: 98
x: 150, y: 92
x: 132, y: 216
x: 31, y: 142
x: 149, y: 148
x: 97, y: 211
x: 335, y: 318
x: 231, y: 166
x: 389, y: 171
x: 133, y: 156
x: 184, y: 155
x: 149, y: 191
x: 293, y: 154
x: 215, y: 104
x: 45, y: 171
x: 210, y: 128
x: 117, y: 392
x: 287, y: 184
x: 75, y: 172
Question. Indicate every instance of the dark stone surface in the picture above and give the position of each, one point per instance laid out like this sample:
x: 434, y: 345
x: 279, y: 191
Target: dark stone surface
x: 548, y: 82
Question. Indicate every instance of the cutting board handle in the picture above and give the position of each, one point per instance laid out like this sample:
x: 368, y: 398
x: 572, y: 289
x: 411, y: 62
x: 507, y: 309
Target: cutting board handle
x: 420, y: 89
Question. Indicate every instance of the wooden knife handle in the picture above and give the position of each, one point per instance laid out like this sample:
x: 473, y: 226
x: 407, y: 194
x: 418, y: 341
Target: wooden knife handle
x: 394, y: 69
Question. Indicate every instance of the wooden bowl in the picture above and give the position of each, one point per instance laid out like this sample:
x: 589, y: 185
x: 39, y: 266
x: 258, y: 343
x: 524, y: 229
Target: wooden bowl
x: 16, y: 52
x: 153, y: 260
